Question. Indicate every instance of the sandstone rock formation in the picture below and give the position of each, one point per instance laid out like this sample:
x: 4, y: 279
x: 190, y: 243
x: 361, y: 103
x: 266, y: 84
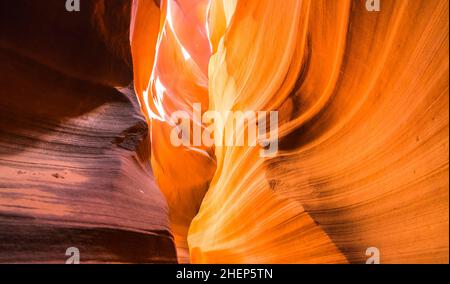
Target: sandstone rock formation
x: 363, y: 104
x: 87, y: 161
x: 363, y: 101
x: 172, y: 81
x: 74, y: 169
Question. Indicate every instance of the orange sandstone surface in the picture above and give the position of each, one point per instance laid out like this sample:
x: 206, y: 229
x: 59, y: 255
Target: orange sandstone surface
x: 87, y: 160
x: 363, y: 108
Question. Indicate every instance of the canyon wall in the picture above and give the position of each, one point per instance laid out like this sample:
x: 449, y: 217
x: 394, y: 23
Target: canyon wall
x: 86, y: 120
x: 74, y: 168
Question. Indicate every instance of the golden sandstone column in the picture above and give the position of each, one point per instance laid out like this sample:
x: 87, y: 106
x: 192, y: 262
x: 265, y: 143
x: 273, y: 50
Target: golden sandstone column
x: 174, y: 79
x: 362, y: 98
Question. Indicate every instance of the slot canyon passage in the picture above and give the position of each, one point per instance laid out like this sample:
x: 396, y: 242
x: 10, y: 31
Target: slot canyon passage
x: 86, y: 158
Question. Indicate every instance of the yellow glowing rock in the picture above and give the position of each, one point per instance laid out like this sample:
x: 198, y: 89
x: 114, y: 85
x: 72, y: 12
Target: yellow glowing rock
x: 174, y: 80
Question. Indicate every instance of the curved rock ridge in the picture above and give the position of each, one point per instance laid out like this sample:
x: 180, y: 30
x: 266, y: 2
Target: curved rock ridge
x: 363, y: 160
x: 362, y: 99
x: 74, y: 167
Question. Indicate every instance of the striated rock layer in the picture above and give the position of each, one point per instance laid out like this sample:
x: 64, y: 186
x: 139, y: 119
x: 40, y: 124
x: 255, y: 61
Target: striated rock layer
x: 74, y: 168
x: 363, y: 160
x: 362, y: 99
x: 363, y: 132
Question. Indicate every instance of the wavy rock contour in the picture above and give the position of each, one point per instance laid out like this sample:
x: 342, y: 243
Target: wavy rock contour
x: 74, y: 169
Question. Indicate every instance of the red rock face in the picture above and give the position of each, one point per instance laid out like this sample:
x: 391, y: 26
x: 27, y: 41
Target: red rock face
x: 74, y: 170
